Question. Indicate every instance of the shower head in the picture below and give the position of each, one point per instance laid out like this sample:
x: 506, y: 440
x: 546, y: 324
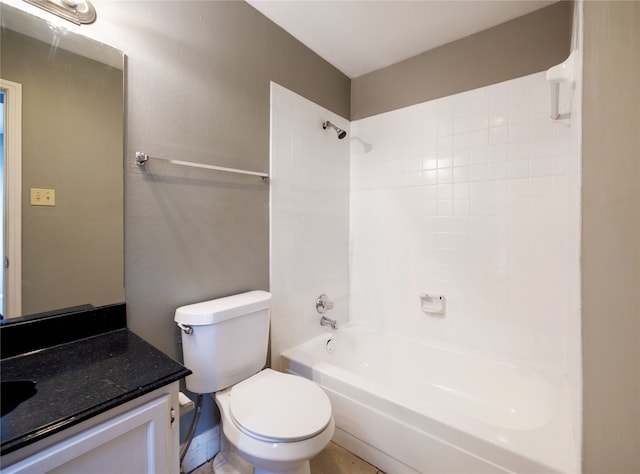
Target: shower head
x: 341, y: 133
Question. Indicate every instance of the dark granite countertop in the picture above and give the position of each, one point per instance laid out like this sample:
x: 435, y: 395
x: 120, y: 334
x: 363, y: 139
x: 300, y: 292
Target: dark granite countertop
x: 81, y: 379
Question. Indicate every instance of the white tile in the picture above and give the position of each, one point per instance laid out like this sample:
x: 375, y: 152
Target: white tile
x: 461, y: 157
x: 498, y: 135
x: 541, y: 166
x: 518, y: 169
x: 518, y: 132
x: 497, y: 170
x: 461, y: 207
x: 429, y: 145
x: 499, y: 152
x: 541, y: 186
x: 414, y: 178
x: 541, y: 128
x: 496, y: 173
x: 561, y: 145
x: 427, y: 112
x: 461, y: 104
x: 541, y: 147
x: 461, y: 124
x: 518, y: 187
x: 479, y: 172
x: 518, y: 151
x: 444, y: 191
x: 479, y: 121
x: 444, y: 127
x: 498, y: 96
x: 429, y: 130
x: 445, y: 176
x: 479, y: 155
x: 518, y: 205
x: 429, y: 177
x: 478, y: 100
x: 462, y: 190
x: 461, y: 141
x: 445, y: 159
x: 429, y: 193
x: 518, y: 93
x: 430, y: 208
x: 478, y: 138
x: 445, y: 207
x: 498, y: 117
x: 519, y: 113
x: 413, y: 164
x: 479, y: 207
x: 444, y: 108
x: 540, y: 109
x: 430, y: 162
x: 461, y: 174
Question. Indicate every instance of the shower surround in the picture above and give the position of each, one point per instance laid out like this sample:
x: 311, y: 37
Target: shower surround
x: 475, y: 196
x: 309, y: 216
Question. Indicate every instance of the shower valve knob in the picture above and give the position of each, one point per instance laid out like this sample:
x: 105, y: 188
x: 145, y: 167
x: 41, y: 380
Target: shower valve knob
x: 323, y: 304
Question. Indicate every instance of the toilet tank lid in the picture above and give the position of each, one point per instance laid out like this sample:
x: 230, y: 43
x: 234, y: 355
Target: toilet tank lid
x: 221, y: 309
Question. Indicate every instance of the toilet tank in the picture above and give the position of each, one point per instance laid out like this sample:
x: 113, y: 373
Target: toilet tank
x: 228, y: 342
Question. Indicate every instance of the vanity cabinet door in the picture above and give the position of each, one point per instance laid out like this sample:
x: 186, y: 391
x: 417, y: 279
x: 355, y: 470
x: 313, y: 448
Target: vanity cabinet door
x: 138, y: 441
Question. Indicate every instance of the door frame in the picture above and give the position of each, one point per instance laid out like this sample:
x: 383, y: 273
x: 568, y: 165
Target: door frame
x: 12, y: 291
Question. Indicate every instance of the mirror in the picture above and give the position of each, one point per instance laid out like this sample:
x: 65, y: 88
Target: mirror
x: 70, y: 253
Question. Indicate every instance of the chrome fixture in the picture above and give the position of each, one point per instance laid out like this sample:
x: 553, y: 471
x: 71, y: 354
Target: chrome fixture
x: 185, y: 329
x: 332, y: 323
x: 79, y: 12
x: 341, y: 133
x: 323, y: 304
x: 142, y: 158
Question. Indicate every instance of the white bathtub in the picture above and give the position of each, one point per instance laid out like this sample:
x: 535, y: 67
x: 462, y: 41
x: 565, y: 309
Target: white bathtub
x: 407, y: 407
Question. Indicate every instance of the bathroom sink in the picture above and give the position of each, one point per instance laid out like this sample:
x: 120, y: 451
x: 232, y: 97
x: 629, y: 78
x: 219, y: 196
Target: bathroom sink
x: 14, y: 392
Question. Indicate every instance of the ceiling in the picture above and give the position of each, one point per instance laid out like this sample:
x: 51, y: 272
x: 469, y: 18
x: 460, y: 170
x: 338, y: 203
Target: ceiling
x: 358, y: 37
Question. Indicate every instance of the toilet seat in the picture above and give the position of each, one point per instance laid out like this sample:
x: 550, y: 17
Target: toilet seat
x: 276, y: 407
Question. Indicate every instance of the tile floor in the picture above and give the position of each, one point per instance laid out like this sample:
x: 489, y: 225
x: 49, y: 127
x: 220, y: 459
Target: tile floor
x: 332, y: 460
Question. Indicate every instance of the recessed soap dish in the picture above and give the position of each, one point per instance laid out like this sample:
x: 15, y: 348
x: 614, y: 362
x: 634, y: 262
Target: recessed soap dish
x: 433, y: 304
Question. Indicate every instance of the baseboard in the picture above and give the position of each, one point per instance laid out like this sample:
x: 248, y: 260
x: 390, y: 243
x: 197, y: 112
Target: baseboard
x: 203, y: 447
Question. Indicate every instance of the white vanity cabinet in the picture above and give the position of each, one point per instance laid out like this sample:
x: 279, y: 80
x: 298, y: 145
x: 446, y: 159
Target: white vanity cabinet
x: 140, y: 436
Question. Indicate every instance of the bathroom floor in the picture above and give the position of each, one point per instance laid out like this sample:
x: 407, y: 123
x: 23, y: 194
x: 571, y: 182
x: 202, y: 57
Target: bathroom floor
x: 332, y: 460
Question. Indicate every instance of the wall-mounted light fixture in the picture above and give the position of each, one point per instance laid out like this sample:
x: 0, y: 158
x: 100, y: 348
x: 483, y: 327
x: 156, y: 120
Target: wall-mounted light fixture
x: 79, y: 12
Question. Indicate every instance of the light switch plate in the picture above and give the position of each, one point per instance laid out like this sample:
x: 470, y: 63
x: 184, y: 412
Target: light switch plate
x: 43, y: 197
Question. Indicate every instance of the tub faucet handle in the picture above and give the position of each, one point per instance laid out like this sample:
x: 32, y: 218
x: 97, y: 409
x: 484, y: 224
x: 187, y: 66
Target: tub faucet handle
x: 323, y: 304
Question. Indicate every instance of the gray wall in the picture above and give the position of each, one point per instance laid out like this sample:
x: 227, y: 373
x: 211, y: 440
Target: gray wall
x: 611, y: 237
x: 522, y: 46
x: 198, y: 89
x: 198, y: 84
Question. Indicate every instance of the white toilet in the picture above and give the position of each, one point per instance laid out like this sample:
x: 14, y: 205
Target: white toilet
x: 275, y: 422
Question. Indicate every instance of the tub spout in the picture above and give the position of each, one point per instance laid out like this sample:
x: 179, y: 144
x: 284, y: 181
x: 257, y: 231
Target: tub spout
x: 324, y: 321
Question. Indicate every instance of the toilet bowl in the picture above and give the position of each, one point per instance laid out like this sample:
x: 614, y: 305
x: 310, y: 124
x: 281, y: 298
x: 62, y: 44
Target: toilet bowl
x: 275, y: 421
x: 272, y: 422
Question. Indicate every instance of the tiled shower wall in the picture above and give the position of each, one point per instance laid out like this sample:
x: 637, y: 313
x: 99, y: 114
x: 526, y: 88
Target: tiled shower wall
x: 309, y: 218
x: 474, y: 196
